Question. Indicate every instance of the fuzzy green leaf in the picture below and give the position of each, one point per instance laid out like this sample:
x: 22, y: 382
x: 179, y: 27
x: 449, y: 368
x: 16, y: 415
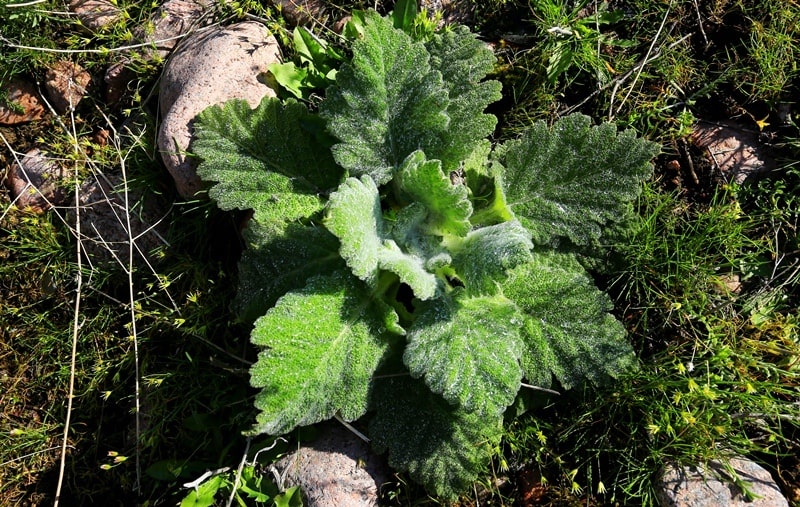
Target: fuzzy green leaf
x: 479, y: 173
x: 572, y: 179
x: 323, y: 344
x: 274, y: 263
x: 468, y: 350
x: 271, y: 159
x: 464, y: 62
x: 423, y: 181
x: 441, y: 446
x: 568, y: 331
x: 483, y: 257
x: 483, y: 179
x: 354, y: 216
x: 387, y: 102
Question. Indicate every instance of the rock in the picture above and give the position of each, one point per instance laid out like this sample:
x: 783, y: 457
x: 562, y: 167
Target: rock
x: 301, y: 12
x: 732, y: 148
x: 95, y: 14
x: 103, y: 220
x: 728, y: 284
x: 169, y: 22
x: 335, y: 470
x: 454, y: 12
x: 21, y: 104
x: 117, y: 78
x: 160, y: 34
x: 208, y: 68
x: 66, y: 84
x: 694, y: 487
x: 38, y: 182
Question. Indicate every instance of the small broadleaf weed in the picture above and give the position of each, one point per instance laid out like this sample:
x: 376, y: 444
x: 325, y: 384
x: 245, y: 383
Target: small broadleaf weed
x: 400, y: 268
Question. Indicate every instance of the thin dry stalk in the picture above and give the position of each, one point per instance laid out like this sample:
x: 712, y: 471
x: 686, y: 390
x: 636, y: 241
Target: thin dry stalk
x: 134, y: 335
x: 617, y: 82
x: 101, y: 51
x: 76, y: 325
x: 700, y: 22
x: 80, y: 237
x: 238, y: 477
x: 639, y: 72
x: 25, y: 4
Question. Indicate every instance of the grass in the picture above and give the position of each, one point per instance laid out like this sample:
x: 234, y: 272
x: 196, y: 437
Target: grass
x: 706, y: 282
x: 717, y: 379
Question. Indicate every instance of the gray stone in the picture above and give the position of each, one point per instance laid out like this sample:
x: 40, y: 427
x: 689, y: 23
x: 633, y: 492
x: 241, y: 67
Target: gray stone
x: 95, y: 14
x: 335, y: 470
x: 38, y: 181
x: 301, y: 12
x: 454, y: 12
x: 208, y: 68
x: 104, y: 220
x: 699, y: 487
x: 160, y: 34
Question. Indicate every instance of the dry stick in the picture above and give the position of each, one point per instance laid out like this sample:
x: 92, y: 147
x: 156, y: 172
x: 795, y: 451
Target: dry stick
x: 599, y: 48
x: 639, y: 73
x: 34, y: 453
x: 351, y: 428
x: 700, y: 22
x: 106, y: 50
x: 618, y: 81
x: 25, y: 4
x: 537, y: 388
x: 238, y: 476
x: 11, y: 45
x: 131, y: 300
x: 79, y: 278
x: 76, y: 317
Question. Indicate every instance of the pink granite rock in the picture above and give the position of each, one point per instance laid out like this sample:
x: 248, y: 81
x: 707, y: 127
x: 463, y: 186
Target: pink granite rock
x: 698, y: 487
x: 733, y: 149
x: 21, y: 104
x: 169, y: 22
x: 66, y: 84
x: 38, y: 182
x: 335, y: 470
x: 104, y: 218
x: 300, y: 12
x: 208, y: 68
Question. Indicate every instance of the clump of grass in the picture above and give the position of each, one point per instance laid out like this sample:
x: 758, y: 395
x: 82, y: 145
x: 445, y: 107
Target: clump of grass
x: 683, y: 257
x: 772, y: 50
x: 36, y: 287
x: 191, y: 363
x: 647, y: 62
x: 36, y: 25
